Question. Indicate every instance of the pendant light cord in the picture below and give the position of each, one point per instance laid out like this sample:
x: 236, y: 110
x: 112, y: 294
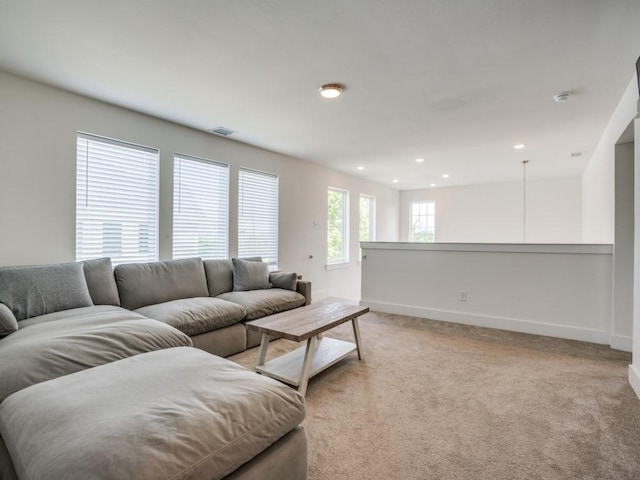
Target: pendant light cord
x: 524, y: 201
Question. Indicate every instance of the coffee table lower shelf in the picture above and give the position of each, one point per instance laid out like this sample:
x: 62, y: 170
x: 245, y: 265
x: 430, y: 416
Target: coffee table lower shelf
x: 288, y: 367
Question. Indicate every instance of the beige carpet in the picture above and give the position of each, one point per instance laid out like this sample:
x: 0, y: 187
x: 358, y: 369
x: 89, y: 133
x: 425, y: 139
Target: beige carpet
x: 435, y: 400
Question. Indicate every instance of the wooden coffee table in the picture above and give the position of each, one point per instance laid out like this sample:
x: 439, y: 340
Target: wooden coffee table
x: 307, y: 323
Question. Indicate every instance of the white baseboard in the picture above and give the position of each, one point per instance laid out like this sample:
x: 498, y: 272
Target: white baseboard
x: 511, y: 324
x: 634, y: 379
x: 323, y: 294
x: 619, y: 342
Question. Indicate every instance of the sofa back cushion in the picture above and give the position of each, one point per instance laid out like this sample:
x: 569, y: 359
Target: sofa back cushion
x: 101, y: 282
x: 219, y: 276
x: 142, y: 284
x: 38, y: 290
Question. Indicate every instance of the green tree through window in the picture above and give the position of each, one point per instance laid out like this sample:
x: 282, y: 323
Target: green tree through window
x: 366, y: 219
x: 337, y: 226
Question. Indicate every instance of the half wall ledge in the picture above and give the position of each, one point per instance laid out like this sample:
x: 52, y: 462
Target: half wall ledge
x: 558, y: 290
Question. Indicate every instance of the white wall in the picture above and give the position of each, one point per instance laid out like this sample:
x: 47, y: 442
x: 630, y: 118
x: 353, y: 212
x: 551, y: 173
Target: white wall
x: 556, y: 290
x: 623, y: 256
x: 38, y: 126
x: 493, y: 213
x: 598, y: 178
x: 634, y: 368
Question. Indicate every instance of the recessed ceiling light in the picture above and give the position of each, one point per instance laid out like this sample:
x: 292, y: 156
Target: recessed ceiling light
x: 432, y: 185
x: 360, y: 167
x: 445, y: 175
x: 519, y: 146
x: 331, y: 90
x: 395, y: 180
x: 419, y: 160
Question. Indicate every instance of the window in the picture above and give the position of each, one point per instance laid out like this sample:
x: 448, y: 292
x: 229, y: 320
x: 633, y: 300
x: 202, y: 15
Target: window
x: 422, y: 222
x: 367, y: 219
x: 258, y: 216
x: 200, y: 208
x: 116, y: 200
x: 337, y: 226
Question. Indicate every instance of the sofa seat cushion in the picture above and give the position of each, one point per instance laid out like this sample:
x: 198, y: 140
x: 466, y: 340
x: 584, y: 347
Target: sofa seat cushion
x: 260, y: 303
x: 84, y: 317
x: 66, y: 342
x: 178, y: 414
x: 195, y: 315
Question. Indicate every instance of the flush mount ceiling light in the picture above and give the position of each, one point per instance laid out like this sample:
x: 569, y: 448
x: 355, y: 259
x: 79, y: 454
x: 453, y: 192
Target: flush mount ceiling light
x: 562, y: 97
x: 331, y: 90
x: 395, y: 180
x: 360, y: 167
x: 419, y: 160
x: 445, y: 175
x: 519, y: 146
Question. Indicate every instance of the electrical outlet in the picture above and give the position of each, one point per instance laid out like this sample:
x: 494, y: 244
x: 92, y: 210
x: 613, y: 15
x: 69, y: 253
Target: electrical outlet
x: 463, y: 295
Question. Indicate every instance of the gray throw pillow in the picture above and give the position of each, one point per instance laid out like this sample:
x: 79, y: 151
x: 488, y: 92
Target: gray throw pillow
x: 8, y: 322
x: 101, y: 282
x: 249, y: 275
x: 38, y: 290
x: 286, y: 281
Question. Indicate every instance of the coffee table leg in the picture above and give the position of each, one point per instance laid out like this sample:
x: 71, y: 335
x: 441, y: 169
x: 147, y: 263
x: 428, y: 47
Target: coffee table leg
x: 356, y: 333
x: 264, y: 345
x: 306, y: 366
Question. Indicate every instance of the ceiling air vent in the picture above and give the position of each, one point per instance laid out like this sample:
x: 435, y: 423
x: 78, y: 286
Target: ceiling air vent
x: 224, y: 131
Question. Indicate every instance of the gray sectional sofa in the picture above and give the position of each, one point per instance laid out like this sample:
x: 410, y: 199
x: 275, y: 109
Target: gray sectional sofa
x: 99, y: 377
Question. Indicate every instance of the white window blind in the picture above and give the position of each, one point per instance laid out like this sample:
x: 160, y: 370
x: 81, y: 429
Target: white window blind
x: 200, y: 207
x: 258, y: 216
x: 116, y: 200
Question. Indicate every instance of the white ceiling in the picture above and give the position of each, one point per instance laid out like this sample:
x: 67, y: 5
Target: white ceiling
x: 457, y: 82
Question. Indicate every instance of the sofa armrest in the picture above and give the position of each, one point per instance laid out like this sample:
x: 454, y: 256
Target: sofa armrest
x: 304, y: 287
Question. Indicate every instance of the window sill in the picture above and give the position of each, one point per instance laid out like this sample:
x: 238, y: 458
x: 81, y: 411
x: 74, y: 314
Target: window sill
x: 337, y: 266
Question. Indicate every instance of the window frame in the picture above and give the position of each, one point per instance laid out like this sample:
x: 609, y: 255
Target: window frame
x: 427, y: 215
x: 344, y: 260
x: 372, y: 219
